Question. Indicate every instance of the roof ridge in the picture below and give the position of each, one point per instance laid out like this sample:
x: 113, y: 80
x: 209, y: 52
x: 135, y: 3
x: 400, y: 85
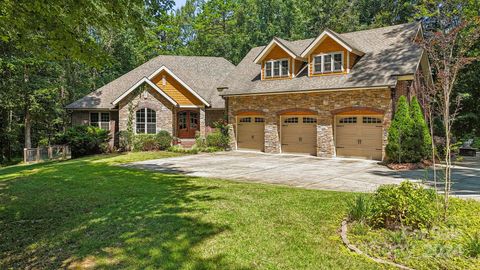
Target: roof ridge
x: 344, y: 33
x: 376, y: 28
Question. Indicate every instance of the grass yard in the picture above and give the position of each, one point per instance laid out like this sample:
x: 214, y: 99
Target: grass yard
x: 90, y: 213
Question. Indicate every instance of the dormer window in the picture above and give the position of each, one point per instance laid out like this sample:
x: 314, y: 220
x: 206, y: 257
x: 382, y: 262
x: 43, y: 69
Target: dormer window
x: 277, y: 68
x: 330, y: 62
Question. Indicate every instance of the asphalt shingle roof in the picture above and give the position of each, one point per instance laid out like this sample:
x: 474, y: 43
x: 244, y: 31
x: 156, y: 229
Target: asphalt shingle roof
x: 389, y: 52
x: 202, y: 74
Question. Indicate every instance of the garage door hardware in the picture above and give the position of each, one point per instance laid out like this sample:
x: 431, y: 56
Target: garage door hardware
x: 359, y: 141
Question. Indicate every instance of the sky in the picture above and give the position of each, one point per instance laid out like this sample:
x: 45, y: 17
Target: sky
x: 179, y: 3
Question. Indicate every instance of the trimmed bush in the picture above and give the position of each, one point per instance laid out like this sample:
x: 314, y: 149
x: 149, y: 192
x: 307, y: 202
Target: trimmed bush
x: 86, y: 140
x: 164, y: 140
x: 421, y: 133
x: 399, y: 133
x: 408, y: 136
x: 152, y: 142
x: 406, y: 205
x: 217, y: 139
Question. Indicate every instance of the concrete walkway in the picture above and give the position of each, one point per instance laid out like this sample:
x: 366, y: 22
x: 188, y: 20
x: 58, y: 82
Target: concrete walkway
x: 303, y: 171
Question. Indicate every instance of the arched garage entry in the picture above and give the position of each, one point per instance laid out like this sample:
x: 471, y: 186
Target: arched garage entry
x: 298, y: 131
x: 250, y: 130
x: 359, y: 132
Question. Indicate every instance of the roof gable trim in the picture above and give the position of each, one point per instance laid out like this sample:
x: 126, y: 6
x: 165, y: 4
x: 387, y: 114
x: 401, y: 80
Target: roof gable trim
x: 333, y: 36
x: 140, y: 82
x: 270, y: 46
x: 164, y: 68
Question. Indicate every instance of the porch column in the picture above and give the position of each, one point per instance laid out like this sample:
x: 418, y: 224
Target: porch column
x: 111, y: 143
x: 325, y: 140
x: 202, y: 121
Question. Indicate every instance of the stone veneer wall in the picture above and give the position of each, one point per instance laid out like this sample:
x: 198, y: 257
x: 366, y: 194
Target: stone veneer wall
x: 149, y: 99
x: 212, y: 116
x: 320, y: 102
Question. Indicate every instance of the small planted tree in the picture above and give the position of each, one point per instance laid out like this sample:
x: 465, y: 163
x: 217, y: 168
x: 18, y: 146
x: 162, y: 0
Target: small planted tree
x: 398, y: 146
x: 451, y: 35
x: 420, y: 131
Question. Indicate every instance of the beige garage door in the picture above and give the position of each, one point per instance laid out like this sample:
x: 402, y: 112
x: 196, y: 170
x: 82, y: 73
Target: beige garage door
x: 299, y: 134
x: 359, y: 136
x: 250, y: 132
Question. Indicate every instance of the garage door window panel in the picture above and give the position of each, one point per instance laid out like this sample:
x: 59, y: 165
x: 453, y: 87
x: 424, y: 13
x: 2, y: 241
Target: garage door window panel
x: 309, y: 120
x: 291, y: 120
x: 348, y: 120
x: 245, y: 120
x: 372, y: 120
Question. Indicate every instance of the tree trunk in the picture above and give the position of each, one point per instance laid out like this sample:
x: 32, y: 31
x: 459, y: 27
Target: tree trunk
x: 28, y: 129
x: 27, y: 120
x: 448, y: 161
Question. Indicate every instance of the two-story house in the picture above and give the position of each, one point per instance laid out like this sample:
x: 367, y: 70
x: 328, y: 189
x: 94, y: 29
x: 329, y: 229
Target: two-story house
x: 329, y: 96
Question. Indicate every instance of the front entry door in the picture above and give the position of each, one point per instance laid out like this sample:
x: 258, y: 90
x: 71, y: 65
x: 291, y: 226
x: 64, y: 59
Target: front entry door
x: 187, y: 124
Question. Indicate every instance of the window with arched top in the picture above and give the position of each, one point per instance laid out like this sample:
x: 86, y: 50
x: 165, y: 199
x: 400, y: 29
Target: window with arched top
x: 146, y: 121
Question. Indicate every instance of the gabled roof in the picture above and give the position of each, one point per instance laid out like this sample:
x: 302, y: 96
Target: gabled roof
x: 388, y: 52
x: 169, y: 72
x: 201, y: 74
x: 276, y: 42
x: 140, y: 82
x: 329, y: 33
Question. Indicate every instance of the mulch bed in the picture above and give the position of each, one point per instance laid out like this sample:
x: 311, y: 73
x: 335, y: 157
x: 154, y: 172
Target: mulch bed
x: 408, y: 166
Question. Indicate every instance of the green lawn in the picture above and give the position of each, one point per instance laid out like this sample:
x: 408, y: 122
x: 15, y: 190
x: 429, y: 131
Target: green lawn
x: 90, y: 213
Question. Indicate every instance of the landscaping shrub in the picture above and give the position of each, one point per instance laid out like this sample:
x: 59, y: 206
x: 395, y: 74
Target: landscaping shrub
x: 359, y: 209
x: 408, y: 136
x: 86, y: 140
x: 125, y: 140
x: 200, y: 141
x: 421, y: 134
x: 472, y: 245
x: 164, y: 140
x: 406, y: 205
x: 152, y: 142
x: 217, y: 139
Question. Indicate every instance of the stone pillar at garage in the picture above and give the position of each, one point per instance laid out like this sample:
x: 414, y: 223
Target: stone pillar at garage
x: 325, y: 140
x: 272, y: 137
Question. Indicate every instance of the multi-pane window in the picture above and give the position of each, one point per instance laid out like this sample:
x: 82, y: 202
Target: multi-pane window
x: 277, y: 68
x: 245, y: 120
x: 193, y: 120
x: 259, y: 119
x: 268, y: 69
x: 309, y: 120
x: 371, y: 120
x: 291, y: 120
x: 146, y: 121
x: 100, y: 119
x: 325, y: 63
x: 348, y: 120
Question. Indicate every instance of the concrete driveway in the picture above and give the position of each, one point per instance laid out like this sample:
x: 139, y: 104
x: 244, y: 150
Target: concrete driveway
x: 301, y: 171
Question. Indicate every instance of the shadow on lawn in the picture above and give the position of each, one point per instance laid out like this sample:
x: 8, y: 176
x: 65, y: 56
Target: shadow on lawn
x: 82, y: 214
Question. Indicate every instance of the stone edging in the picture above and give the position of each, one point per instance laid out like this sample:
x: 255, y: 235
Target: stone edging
x: 343, y: 234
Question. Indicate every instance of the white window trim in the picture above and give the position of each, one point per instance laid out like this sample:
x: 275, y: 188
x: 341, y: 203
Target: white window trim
x: 280, y: 67
x: 322, y: 55
x: 99, y: 114
x: 146, y: 122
